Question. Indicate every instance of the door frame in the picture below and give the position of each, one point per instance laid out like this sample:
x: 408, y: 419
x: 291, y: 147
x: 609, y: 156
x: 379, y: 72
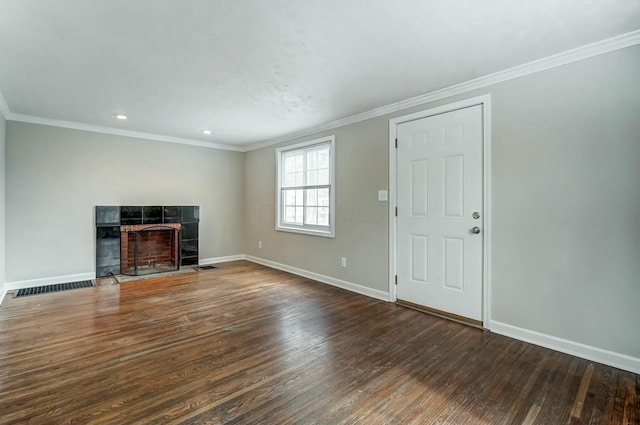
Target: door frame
x: 485, y: 102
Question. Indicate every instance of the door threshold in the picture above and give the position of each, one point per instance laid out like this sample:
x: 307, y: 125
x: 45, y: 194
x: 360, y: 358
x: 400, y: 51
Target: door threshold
x: 442, y: 314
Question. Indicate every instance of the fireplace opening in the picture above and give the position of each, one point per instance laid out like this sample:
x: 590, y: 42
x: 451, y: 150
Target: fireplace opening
x: 149, y: 248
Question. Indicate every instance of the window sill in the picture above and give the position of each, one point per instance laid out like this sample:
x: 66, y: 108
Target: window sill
x: 310, y: 232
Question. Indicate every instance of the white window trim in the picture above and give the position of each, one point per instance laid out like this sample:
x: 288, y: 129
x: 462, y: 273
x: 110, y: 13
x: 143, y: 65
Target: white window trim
x: 330, y: 233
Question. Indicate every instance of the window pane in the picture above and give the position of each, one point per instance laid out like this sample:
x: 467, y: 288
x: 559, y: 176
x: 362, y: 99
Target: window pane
x: 299, y: 211
x: 323, y: 197
x: 312, y: 215
x: 312, y: 178
x: 289, y: 214
x: 299, y: 179
x: 299, y: 163
x: 289, y: 164
x: 323, y: 158
x: 290, y: 197
x: 323, y: 216
x: 323, y: 177
x: 299, y: 199
x: 312, y: 160
x: 290, y: 179
x: 312, y: 197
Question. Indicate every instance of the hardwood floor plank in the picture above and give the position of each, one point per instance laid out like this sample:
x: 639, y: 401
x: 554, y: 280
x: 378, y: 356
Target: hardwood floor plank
x: 632, y: 402
x: 576, y: 411
x: 604, y: 395
x: 532, y: 414
x: 245, y: 344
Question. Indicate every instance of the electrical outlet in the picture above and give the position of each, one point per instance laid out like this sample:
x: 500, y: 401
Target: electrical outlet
x: 259, y: 244
x: 343, y: 262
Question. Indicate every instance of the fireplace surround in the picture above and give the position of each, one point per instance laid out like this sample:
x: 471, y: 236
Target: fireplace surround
x: 138, y: 240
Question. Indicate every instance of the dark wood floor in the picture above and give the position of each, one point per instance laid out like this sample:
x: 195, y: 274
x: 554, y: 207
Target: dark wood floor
x: 245, y: 344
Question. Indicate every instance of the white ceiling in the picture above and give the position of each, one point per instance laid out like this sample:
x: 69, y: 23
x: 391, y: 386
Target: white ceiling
x: 254, y: 70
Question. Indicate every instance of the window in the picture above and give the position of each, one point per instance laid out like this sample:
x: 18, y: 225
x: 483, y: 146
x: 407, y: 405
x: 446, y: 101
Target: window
x: 306, y: 187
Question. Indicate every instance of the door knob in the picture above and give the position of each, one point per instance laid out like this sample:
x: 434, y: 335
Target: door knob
x: 475, y: 230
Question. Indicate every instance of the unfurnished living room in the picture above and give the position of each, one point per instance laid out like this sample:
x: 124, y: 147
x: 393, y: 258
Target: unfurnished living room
x: 320, y: 212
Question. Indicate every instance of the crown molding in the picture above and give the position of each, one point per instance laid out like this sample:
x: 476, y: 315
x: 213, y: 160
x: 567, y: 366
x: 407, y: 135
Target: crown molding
x: 120, y: 132
x: 563, y: 58
x: 559, y: 59
x: 4, y: 108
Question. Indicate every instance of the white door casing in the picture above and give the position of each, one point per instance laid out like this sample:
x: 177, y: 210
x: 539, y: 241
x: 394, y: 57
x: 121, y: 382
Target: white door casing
x: 437, y: 184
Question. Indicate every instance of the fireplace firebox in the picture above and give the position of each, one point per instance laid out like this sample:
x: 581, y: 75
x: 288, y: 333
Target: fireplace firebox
x: 147, y: 249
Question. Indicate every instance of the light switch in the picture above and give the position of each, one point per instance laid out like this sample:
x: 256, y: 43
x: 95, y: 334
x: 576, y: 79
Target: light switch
x: 383, y: 195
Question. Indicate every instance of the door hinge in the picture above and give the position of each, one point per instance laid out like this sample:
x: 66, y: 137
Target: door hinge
x: 396, y: 211
x: 396, y: 143
x: 396, y: 279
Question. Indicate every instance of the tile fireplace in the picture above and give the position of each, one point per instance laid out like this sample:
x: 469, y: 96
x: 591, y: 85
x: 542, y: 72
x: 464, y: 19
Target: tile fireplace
x: 137, y: 240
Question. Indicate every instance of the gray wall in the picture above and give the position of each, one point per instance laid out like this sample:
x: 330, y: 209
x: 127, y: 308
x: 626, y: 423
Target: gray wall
x: 566, y: 203
x: 55, y: 178
x: 2, y: 200
x: 361, y: 221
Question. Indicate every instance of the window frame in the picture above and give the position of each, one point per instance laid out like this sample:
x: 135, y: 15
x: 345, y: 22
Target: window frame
x: 306, y: 229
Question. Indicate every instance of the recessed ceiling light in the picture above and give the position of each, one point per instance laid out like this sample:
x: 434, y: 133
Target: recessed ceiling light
x: 121, y: 116
x: 207, y: 132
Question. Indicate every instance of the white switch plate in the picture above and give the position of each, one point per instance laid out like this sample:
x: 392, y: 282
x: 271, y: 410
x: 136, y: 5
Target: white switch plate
x: 343, y: 262
x: 383, y: 195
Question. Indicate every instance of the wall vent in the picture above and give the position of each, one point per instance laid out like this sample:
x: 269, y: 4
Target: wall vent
x: 57, y: 287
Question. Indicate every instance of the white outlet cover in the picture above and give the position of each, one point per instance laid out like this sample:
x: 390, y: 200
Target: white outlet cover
x: 383, y: 195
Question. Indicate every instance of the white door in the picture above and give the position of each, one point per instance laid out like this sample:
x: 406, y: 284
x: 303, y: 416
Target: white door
x: 439, y: 225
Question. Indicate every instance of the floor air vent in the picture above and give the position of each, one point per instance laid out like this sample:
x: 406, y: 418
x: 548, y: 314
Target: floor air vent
x: 207, y: 267
x: 57, y: 287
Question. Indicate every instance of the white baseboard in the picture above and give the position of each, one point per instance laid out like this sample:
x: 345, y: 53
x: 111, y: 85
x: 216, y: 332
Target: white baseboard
x: 205, y: 261
x: 353, y: 287
x: 32, y: 283
x: 20, y: 284
x: 621, y: 361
